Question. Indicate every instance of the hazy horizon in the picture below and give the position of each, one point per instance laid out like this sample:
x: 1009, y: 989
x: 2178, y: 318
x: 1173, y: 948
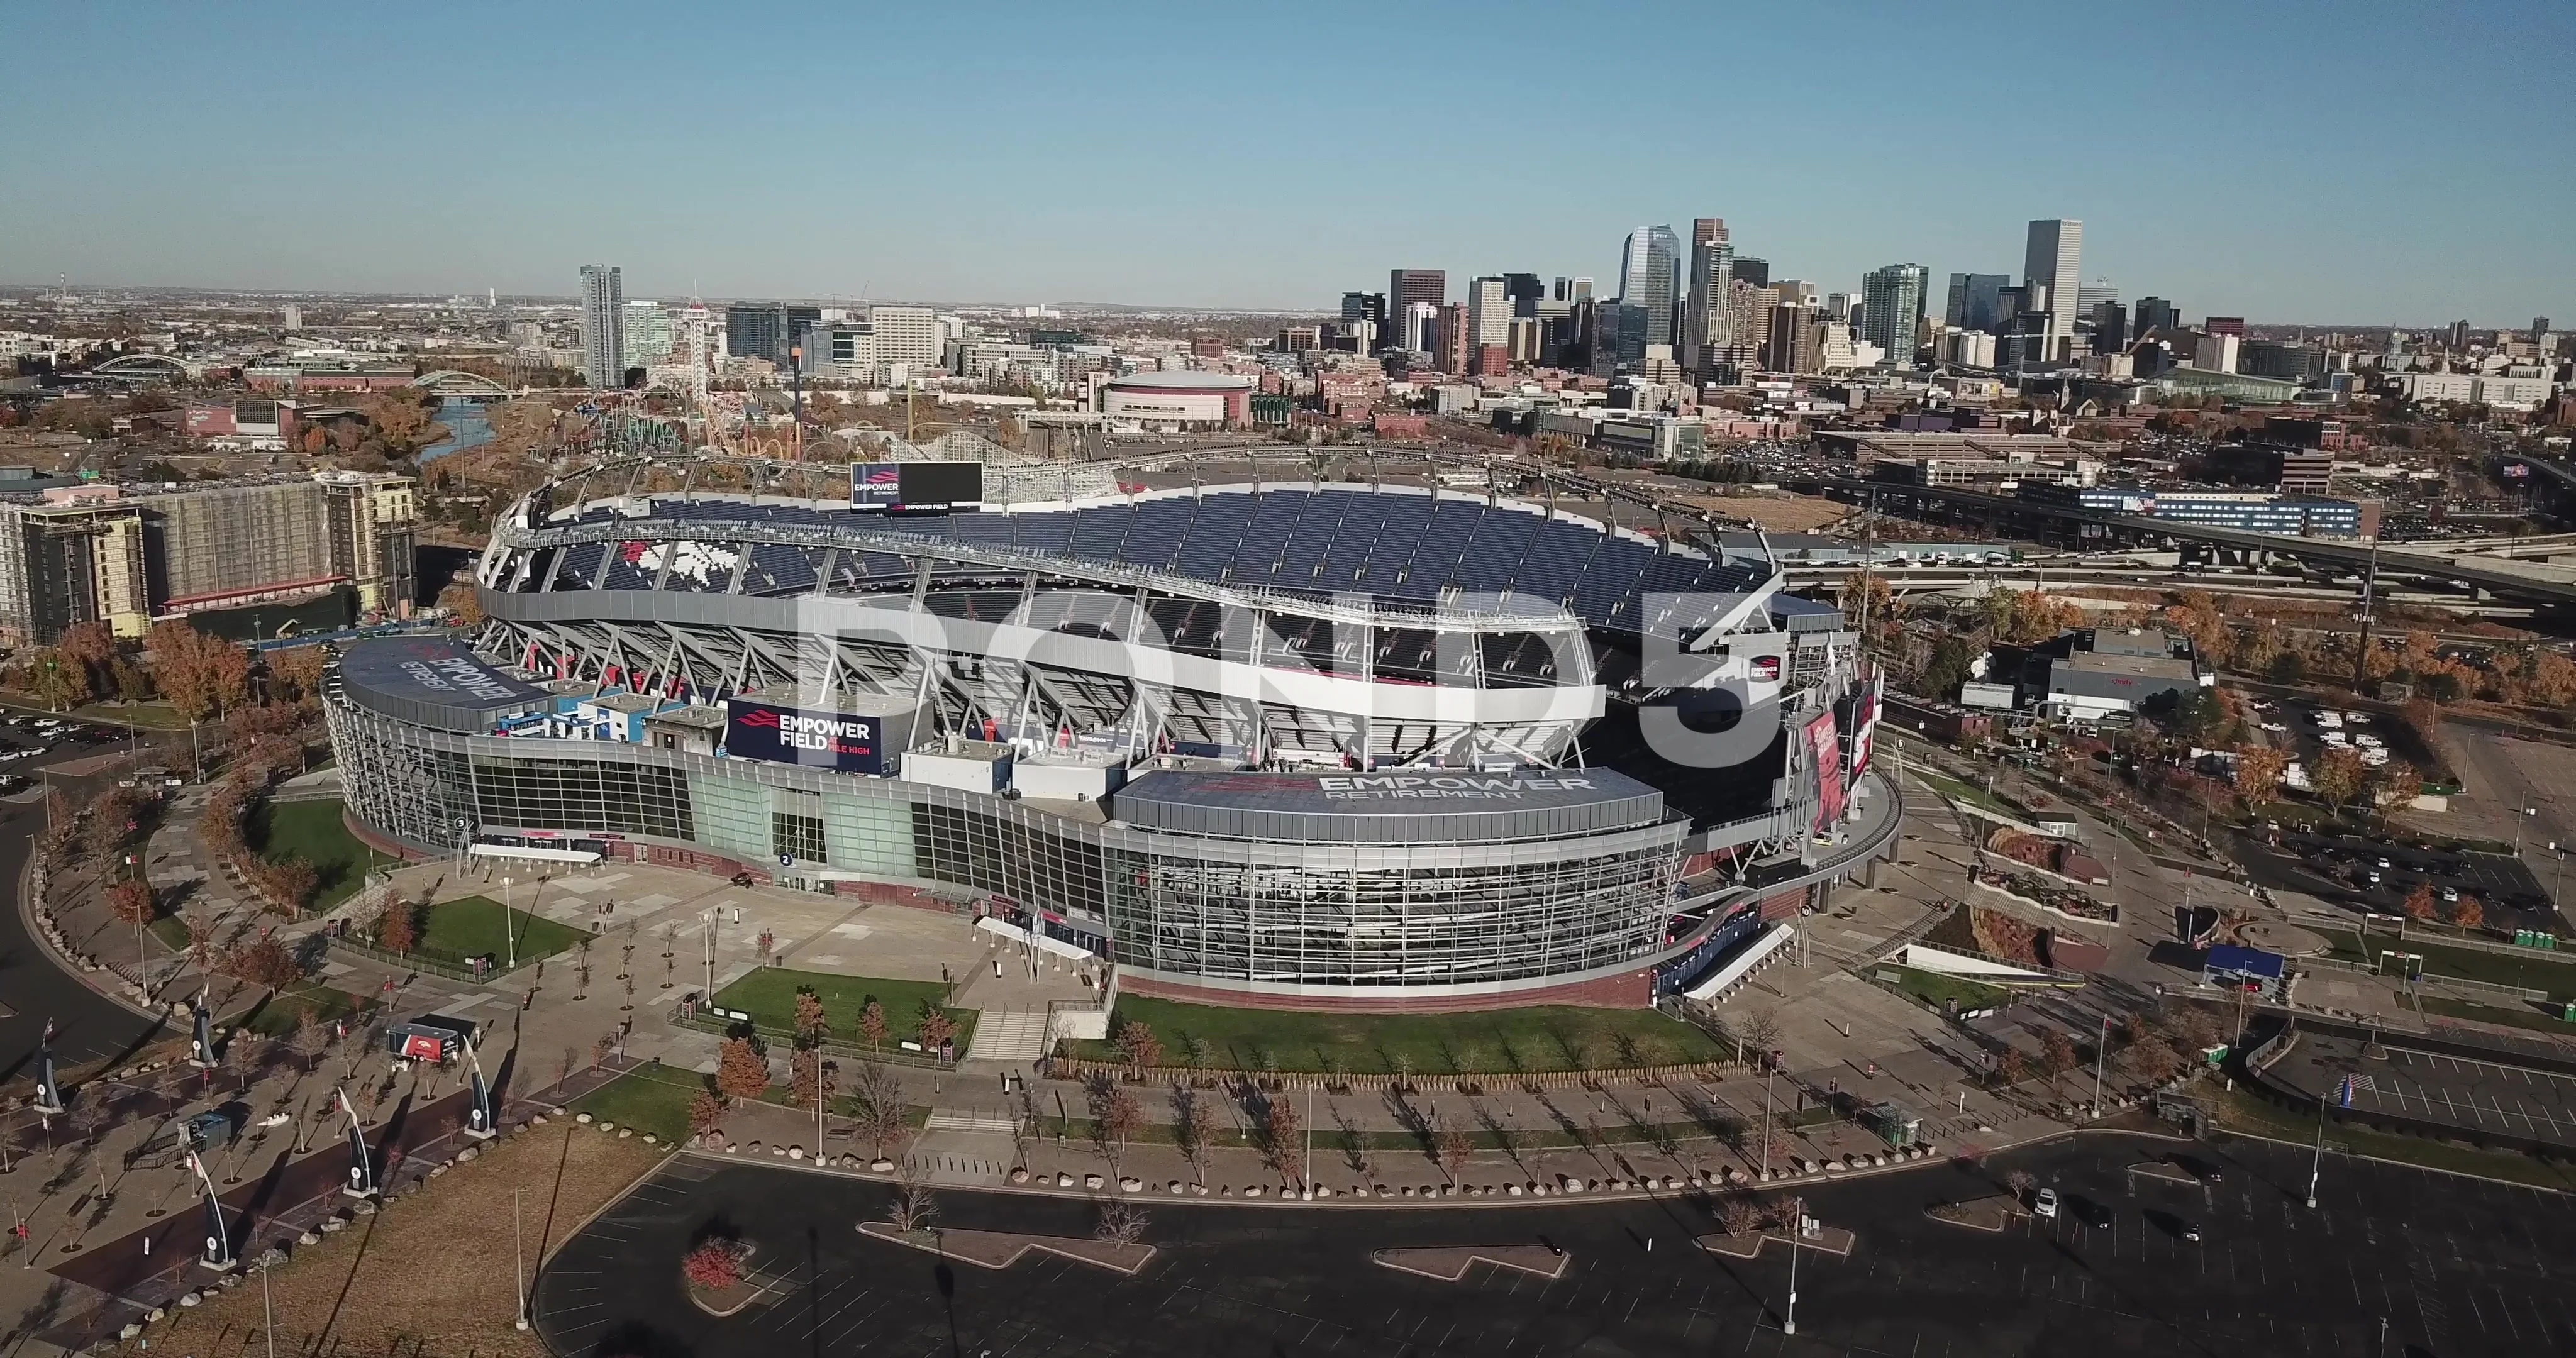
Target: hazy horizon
x: 2285, y: 161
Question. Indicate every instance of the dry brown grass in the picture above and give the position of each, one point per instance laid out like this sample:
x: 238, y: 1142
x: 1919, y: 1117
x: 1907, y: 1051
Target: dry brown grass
x: 1773, y: 513
x: 429, y: 1276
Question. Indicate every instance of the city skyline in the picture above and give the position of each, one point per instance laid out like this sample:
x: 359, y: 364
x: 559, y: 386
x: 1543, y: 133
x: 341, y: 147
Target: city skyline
x: 1061, y: 158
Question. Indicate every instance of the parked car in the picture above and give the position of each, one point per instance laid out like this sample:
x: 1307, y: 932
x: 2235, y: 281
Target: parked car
x: 2046, y: 1203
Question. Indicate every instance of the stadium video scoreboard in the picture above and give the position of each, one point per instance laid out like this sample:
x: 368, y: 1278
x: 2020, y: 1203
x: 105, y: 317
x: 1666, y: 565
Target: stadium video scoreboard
x: 899, y: 486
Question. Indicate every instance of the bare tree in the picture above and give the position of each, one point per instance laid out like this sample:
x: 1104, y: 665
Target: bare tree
x: 310, y: 1038
x: 1120, y: 1222
x: 1738, y: 1215
x: 1115, y: 1116
x: 878, y: 1092
x: 912, y: 1208
x: 1194, y: 1125
x: 1762, y: 1034
x: 1453, y: 1147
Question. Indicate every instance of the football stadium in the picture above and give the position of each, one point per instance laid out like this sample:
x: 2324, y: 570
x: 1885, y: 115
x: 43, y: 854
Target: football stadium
x: 1307, y: 743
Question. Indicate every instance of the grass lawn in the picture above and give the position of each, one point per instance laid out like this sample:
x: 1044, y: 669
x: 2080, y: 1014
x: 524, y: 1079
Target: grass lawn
x: 648, y: 1098
x: 1946, y: 993
x: 1509, y: 1041
x: 2510, y: 1016
x: 470, y: 926
x: 769, y: 996
x: 312, y: 831
x: 151, y: 715
x: 1958, y: 791
x: 277, y: 1018
x: 2241, y: 1111
x: 171, y: 930
x: 2531, y: 968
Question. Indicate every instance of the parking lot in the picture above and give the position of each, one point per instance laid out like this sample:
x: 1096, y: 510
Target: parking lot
x: 2478, y: 1096
x: 2310, y: 729
x: 2377, y: 874
x: 2393, y: 1260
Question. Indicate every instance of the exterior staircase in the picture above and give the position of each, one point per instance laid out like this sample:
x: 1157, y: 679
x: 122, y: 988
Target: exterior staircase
x: 1016, y: 1036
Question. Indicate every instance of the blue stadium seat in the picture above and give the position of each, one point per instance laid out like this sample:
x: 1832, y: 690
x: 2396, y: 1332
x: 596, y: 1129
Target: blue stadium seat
x: 1215, y: 535
x: 1275, y: 519
x: 1558, y: 556
x: 1493, y: 555
x: 1099, y: 531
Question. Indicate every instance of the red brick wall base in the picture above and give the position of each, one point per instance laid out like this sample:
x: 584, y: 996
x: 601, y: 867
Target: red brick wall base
x: 1627, y: 990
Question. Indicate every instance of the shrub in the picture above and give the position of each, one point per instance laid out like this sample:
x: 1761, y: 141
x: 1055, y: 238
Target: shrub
x: 715, y: 1265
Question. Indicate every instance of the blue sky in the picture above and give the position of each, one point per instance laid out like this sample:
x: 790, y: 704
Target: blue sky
x: 2356, y: 162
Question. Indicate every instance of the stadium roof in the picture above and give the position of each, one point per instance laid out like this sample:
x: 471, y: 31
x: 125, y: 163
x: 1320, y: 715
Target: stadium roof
x: 433, y: 681
x: 1400, y: 544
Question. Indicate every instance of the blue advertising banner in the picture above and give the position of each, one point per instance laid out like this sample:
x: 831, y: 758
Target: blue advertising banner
x: 842, y: 741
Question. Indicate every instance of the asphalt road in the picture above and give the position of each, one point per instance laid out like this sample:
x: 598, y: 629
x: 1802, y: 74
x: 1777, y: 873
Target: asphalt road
x: 2453, y: 1267
x: 88, y: 1026
x: 272, y: 1181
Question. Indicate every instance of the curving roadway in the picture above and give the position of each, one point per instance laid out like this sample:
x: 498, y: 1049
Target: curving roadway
x: 89, y: 1027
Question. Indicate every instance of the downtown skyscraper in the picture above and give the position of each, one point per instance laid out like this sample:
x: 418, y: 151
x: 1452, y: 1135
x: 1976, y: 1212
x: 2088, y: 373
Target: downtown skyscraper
x: 1650, y: 277
x: 603, y: 327
x: 2051, y: 258
x: 1705, y: 320
x: 1407, y: 289
x: 1891, y: 309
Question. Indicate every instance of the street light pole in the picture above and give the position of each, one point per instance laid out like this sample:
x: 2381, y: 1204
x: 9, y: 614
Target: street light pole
x: 2101, y: 1052
x: 2317, y: 1166
x: 1797, y: 1228
x: 519, y: 1261
x: 1766, y: 1112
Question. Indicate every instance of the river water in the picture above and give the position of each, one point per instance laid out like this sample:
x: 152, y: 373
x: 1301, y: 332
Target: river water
x: 466, y: 428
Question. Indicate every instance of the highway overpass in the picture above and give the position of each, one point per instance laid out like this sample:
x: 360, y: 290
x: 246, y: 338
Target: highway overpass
x: 2529, y: 582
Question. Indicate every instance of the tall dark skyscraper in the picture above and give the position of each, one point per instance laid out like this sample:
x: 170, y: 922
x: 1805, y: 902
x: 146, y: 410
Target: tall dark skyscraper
x: 1524, y: 291
x: 1406, y: 287
x: 1753, y: 270
x: 767, y: 331
x: 603, y: 326
x: 1976, y: 301
x: 2110, y: 327
x: 1891, y: 309
x: 2152, y: 314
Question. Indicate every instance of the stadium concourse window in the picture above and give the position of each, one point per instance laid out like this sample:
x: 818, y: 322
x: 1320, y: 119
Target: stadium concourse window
x: 1391, y: 925
x: 1007, y: 858
x: 584, y: 794
x: 794, y: 836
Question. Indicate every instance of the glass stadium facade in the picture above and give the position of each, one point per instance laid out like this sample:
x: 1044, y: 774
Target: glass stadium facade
x: 1226, y: 913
